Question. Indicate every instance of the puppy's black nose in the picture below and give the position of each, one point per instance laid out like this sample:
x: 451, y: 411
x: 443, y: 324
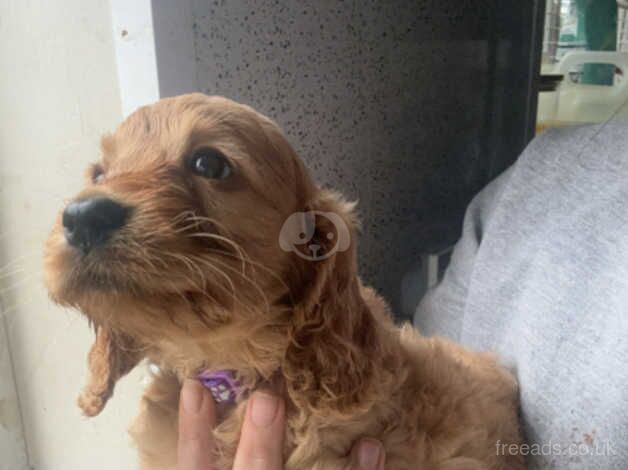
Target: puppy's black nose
x: 91, y: 222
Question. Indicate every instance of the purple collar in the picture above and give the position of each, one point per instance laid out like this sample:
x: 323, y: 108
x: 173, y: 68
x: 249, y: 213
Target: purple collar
x: 222, y: 385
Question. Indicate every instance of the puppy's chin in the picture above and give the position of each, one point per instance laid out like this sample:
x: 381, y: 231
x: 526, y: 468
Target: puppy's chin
x: 72, y: 277
x: 70, y: 280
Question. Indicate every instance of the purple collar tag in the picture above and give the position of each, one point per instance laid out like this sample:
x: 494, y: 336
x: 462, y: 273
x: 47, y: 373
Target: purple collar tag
x: 222, y: 385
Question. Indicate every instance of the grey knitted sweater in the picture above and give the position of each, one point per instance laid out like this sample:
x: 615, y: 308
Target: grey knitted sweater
x: 540, y: 276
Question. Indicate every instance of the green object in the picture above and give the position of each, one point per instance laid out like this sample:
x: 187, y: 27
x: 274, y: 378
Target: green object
x: 597, y: 24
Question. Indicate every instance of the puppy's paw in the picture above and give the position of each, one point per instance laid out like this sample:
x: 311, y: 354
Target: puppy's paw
x: 90, y: 404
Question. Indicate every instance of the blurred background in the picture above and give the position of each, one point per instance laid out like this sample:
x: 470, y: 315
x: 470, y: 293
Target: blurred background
x: 408, y: 106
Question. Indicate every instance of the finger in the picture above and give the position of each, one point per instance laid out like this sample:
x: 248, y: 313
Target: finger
x: 197, y: 418
x: 261, y: 440
x: 368, y: 454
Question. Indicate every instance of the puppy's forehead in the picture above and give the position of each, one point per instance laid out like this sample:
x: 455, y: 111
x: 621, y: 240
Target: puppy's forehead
x: 163, y: 132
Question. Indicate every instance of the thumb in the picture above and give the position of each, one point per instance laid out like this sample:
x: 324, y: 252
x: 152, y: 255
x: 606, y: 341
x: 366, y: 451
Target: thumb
x: 368, y: 454
x: 197, y: 418
x: 261, y: 441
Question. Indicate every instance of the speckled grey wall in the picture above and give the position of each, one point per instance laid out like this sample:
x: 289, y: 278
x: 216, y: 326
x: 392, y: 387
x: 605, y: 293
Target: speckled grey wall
x: 385, y: 101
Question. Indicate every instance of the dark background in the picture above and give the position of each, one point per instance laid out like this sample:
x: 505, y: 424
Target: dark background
x: 409, y: 106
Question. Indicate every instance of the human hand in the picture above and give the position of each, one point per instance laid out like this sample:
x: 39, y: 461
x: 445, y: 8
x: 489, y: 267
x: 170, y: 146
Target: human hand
x: 261, y: 440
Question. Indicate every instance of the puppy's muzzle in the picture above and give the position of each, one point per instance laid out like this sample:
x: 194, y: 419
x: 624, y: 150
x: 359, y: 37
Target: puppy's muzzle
x: 90, y: 222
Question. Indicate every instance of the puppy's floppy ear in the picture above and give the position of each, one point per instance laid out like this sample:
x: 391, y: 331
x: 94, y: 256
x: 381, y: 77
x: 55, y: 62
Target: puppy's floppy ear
x: 329, y: 364
x: 112, y: 356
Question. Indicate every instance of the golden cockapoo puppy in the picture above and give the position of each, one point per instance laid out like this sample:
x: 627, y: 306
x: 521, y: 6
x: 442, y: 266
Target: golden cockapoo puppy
x: 201, y: 244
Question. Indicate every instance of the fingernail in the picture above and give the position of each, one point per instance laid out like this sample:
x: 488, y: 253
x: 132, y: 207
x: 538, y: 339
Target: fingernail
x: 369, y: 454
x: 263, y: 409
x: 192, y: 396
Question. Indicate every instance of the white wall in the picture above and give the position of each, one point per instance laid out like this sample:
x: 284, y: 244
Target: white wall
x: 58, y: 94
x: 12, y: 444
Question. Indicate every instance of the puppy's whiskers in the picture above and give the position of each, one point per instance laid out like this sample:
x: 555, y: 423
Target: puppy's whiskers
x: 251, y: 281
x: 192, y: 217
x: 228, y: 236
x: 197, y: 222
x: 255, y: 285
x: 35, y: 254
x: 256, y: 264
x: 193, y: 265
x: 6, y: 273
x: 17, y: 284
x: 242, y: 255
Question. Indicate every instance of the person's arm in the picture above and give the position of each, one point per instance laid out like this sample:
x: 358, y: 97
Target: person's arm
x: 441, y: 311
x: 261, y: 441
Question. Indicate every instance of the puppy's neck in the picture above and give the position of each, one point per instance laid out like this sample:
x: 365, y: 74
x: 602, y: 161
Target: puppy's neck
x: 322, y: 352
x: 322, y: 347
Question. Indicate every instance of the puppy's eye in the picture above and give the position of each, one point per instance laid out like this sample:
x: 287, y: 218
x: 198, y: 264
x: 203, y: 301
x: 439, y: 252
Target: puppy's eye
x: 98, y: 174
x: 210, y: 163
